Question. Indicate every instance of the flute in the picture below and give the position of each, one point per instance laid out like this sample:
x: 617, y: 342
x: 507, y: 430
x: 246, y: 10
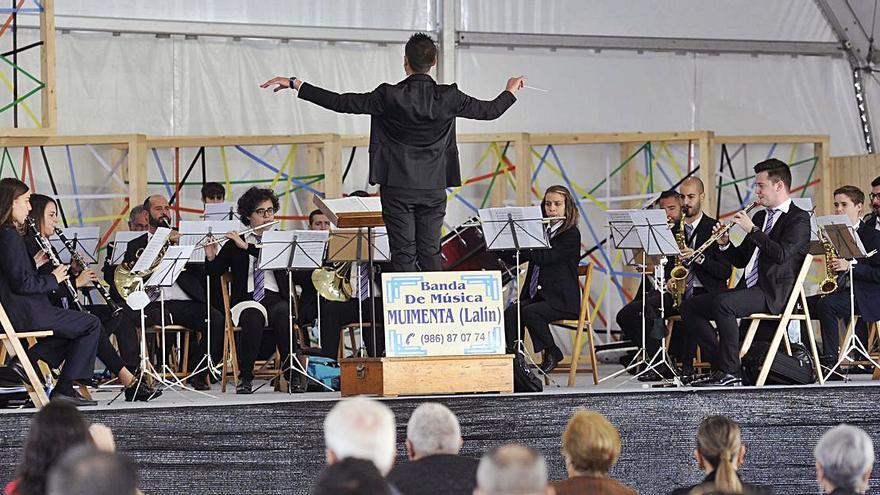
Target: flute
x: 74, y: 255
x: 47, y: 248
x: 243, y: 233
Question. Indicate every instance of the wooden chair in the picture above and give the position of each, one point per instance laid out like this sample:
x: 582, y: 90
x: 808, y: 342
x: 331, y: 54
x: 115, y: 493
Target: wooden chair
x: 579, y: 326
x: 349, y: 331
x: 12, y: 345
x: 871, y: 343
x: 180, y: 365
x: 781, y: 333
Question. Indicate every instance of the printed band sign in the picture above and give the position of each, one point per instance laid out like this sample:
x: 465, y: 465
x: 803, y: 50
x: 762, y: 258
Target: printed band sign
x: 443, y: 313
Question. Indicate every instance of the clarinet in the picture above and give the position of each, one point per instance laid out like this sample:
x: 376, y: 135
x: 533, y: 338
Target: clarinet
x: 74, y: 255
x: 47, y: 248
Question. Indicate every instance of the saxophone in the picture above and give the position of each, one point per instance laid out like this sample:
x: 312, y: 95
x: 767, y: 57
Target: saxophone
x: 829, y: 283
x: 679, y: 273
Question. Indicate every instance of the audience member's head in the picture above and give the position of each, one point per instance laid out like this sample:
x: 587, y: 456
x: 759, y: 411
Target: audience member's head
x: 363, y: 429
x: 53, y: 431
x: 351, y: 477
x: 844, y: 459
x: 590, y: 444
x: 512, y: 470
x: 432, y: 429
x: 85, y: 470
x: 720, y: 450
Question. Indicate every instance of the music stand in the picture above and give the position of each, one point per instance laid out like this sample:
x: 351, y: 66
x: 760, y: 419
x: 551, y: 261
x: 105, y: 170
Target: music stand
x: 220, y: 211
x: 83, y: 239
x: 517, y: 228
x: 292, y: 250
x: 839, y: 231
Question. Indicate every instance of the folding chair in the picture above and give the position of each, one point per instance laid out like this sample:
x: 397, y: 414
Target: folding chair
x: 797, y: 294
x: 579, y: 326
x: 12, y: 344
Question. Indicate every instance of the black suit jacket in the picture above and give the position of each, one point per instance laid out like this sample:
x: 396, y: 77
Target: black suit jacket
x: 782, y: 254
x: 714, y: 271
x: 412, y: 127
x: 23, y: 291
x: 55, y: 296
x: 558, y: 276
x: 233, y: 259
x: 866, y: 274
x: 191, y: 279
x: 439, y: 474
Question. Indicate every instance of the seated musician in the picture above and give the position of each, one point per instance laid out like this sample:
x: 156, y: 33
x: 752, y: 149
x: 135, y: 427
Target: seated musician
x: 264, y: 294
x: 873, y: 219
x: 213, y: 193
x: 44, y: 211
x: 834, y: 306
x: 185, y: 301
x: 138, y: 221
x: 550, y: 291
x: 24, y: 294
x: 772, y: 253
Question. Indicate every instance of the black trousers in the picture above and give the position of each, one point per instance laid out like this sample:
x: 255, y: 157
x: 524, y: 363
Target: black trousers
x: 253, y: 327
x: 75, y: 342
x: 828, y: 310
x: 335, y: 315
x: 126, y: 330
x: 721, y: 348
x: 536, y: 315
x: 414, y: 218
x: 629, y: 318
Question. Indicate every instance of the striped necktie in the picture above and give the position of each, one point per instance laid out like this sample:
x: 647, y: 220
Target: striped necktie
x: 689, y: 284
x: 752, y: 277
x: 363, y: 281
x: 259, y: 277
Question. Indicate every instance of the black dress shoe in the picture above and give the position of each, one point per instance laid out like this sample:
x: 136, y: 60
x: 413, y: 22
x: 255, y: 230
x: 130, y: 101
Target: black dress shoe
x: 142, y: 392
x: 551, y: 360
x: 199, y: 383
x: 719, y: 379
x: 657, y: 374
x: 74, y: 400
x: 245, y: 387
x: 15, y: 366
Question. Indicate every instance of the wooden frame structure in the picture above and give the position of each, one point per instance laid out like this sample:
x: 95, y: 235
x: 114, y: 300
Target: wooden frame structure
x: 856, y: 170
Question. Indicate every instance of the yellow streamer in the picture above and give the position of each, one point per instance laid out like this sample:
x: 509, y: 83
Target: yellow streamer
x: 225, y: 170
x: 27, y: 109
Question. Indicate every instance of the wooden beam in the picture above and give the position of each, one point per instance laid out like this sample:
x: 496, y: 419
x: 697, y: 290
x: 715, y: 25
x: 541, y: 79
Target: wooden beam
x: 771, y: 139
x: 538, y: 139
x: 102, y: 139
x: 332, y: 167
x: 137, y: 170
x: 523, y: 150
x: 49, y: 104
x: 707, y: 170
x: 199, y: 141
x: 824, y: 197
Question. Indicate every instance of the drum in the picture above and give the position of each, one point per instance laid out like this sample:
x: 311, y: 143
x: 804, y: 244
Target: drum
x: 464, y: 249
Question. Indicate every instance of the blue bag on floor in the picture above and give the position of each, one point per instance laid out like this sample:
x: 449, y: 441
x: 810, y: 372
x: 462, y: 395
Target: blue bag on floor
x: 326, y: 371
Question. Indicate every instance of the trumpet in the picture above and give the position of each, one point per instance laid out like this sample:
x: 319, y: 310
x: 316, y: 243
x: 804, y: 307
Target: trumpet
x: 53, y: 258
x: 699, y: 253
x: 74, y: 255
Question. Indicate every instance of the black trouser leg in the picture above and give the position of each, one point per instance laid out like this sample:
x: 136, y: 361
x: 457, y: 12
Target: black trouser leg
x: 536, y: 316
x: 80, y: 333
x: 727, y: 307
x: 630, y: 320
x: 413, y: 218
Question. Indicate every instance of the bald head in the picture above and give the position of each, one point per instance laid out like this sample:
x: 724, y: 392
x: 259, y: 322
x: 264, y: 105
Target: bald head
x: 512, y: 470
x: 692, y: 196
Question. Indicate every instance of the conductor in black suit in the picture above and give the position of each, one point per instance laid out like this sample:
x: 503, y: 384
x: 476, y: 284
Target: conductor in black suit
x: 771, y: 255
x: 413, y: 153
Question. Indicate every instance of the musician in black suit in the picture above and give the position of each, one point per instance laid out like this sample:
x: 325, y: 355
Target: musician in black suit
x: 772, y: 253
x: 413, y: 154
x: 123, y: 363
x: 138, y: 221
x: 829, y: 308
x: 23, y: 293
x: 268, y: 289
x: 185, y: 301
x: 550, y: 291
x: 873, y: 220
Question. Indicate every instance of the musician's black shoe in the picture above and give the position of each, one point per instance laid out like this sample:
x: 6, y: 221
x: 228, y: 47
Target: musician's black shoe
x: 15, y: 366
x: 88, y: 382
x: 718, y: 379
x: 552, y: 357
x: 71, y: 397
x: 198, y: 382
x: 142, y: 392
x: 245, y: 386
x: 657, y: 374
x: 689, y: 375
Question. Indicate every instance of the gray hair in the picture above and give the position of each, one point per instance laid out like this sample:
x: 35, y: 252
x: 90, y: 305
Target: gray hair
x: 137, y: 210
x: 845, y: 453
x: 433, y: 429
x: 512, y: 469
x: 363, y: 429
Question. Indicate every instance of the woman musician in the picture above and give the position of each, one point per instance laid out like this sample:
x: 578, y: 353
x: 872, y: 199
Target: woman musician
x: 24, y: 293
x: 551, y: 291
x: 44, y: 211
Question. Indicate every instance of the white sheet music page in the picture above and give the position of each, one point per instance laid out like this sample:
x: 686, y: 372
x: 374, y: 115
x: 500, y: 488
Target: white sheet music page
x: 220, y: 211
x: 86, y: 241
x: 169, y: 268
x: 120, y: 244
x: 151, y: 252
x: 622, y: 232
x: 527, y: 223
x: 653, y: 231
x: 843, y: 221
x: 354, y: 204
x: 193, y: 233
x: 310, y: 245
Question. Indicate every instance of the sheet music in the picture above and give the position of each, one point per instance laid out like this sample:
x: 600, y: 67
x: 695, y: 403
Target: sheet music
x: 528, y: 224
x: 151, y: 252
x: 829, y: 222
x: 193, y: 233
x: 84, y: 238
x: 175, y: 259
x: 353, y: 204
x: 310, y: 245
x: 654, y: 233
x: 623, y: 234
x: 220, y: 211
x: 806, y: 204
x: 342, y: 244
x: 120, y: 245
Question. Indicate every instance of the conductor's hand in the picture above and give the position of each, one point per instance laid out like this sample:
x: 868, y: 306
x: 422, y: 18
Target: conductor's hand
x: 723, y: 240
x: 515, y: 84
x: 280, y: 83
x: 235, y: 237
x: 60, y: 273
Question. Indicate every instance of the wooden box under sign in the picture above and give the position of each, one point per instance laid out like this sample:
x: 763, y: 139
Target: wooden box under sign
x: 427, y: 375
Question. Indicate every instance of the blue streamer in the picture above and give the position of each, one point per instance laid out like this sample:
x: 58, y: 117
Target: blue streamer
x: 467, y: 203
x: 79, y: 213
x: 283, y: 175
x: 162, y: 173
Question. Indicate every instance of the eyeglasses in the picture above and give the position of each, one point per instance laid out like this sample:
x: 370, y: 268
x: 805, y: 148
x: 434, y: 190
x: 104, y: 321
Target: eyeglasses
x: 264, y: 212
x: 875, y: 195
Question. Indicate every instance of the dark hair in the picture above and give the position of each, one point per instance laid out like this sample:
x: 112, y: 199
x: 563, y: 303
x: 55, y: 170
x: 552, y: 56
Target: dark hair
x: 360, y: 193
x: 39, y: 202
x: 351, y: 476
x: 10, y: 190
x: 213, y: 190
x: 85, y: 470
x: 571, y: 211
x: 853, y: 193
x: 669, y: 193
x: 875, y: 182
x: 53, y: 431
x: 313, y: 214
x: 777, y: 170
x: 137, y: 210
x: 248, y: 202
x: 420, y: 52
